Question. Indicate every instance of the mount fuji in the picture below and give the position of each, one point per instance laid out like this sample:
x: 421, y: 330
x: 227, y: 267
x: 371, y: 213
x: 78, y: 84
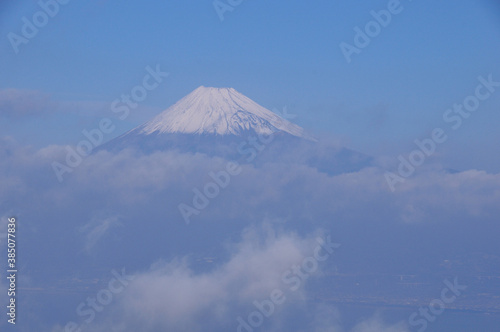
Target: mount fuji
x: 207, y: 114
x: 218, y: 111
x: 224, y: 122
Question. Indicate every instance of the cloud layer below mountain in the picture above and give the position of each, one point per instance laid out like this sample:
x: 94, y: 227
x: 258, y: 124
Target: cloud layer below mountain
x: 120, y: 210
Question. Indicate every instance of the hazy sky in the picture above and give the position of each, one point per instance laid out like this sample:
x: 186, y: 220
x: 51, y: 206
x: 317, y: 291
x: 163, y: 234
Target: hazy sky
x: 277, y: 53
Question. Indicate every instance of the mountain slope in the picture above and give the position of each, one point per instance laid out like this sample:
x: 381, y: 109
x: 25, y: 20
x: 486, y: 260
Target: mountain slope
x: 218, y: 111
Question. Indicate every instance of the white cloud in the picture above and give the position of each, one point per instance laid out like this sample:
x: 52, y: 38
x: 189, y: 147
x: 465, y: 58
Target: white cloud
x: 172, y: 293
x: 172, y: 296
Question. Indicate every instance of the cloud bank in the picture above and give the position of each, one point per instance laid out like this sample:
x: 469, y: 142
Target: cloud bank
x: 121, y: 210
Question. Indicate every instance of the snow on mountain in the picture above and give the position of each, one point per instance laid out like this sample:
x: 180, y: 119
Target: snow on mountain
x: 218, y: 111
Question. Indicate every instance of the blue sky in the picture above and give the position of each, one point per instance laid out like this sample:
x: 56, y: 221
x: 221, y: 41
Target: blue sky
x: 279, y: 54
x: 117, y: 211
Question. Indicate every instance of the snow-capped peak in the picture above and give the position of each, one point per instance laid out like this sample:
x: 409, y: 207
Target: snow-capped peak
x: 219, y: 111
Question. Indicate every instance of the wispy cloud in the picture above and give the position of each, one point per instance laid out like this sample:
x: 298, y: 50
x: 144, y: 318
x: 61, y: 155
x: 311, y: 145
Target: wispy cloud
x: 16, y: 103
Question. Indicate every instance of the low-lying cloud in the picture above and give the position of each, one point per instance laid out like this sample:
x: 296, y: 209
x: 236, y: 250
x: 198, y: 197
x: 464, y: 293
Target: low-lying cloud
x: 141, y: 225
